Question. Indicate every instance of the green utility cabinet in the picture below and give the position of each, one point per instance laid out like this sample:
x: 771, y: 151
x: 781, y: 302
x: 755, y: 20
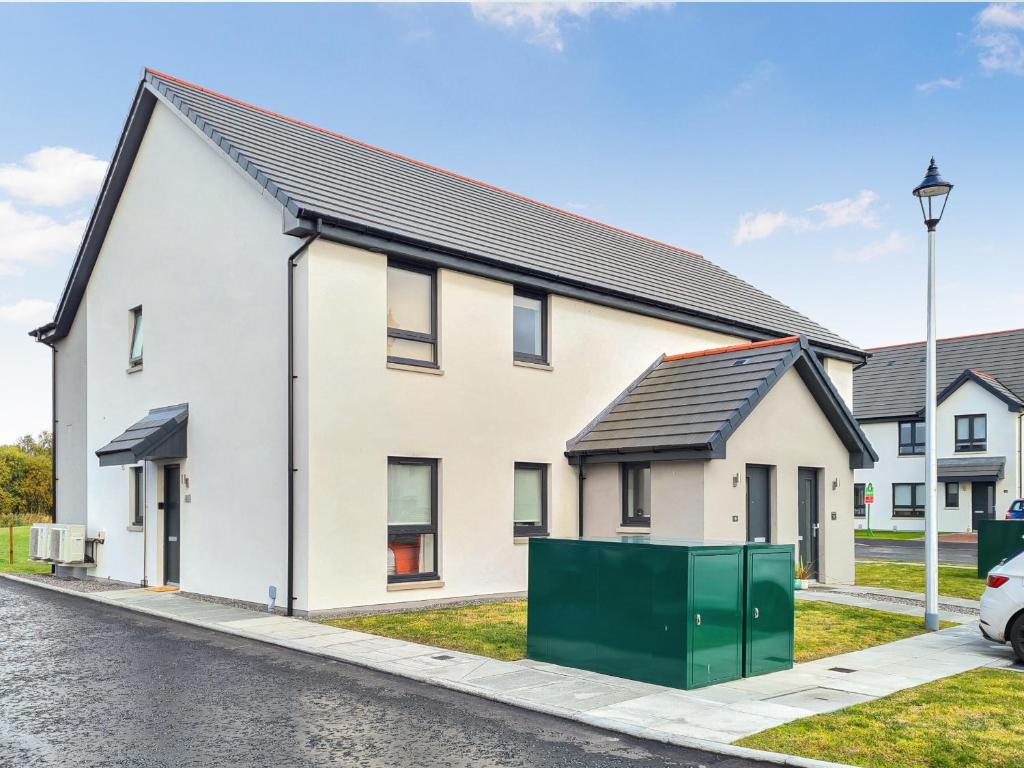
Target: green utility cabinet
x: 769, y: 609
x: 998, y: 540
x: 659, y: 611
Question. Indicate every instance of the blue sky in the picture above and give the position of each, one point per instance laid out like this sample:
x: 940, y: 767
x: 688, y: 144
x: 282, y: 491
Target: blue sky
x: 780, y: 141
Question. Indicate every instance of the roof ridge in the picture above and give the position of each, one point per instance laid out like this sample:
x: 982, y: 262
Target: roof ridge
x: 420, y: 163
x: 947, y: 338
x: 732, y: 348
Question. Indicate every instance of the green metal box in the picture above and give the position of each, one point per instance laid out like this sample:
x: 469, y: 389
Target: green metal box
x: 998, y: 540
x: 769, y: 609
x: 659, y: 611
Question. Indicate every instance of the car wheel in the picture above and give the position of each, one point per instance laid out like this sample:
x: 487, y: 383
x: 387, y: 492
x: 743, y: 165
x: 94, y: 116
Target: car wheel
x: 1016, y: 637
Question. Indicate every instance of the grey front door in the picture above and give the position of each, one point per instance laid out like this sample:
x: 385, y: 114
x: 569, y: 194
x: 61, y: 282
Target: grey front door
x: 983, y: 502
x: 807, y: 507
x: 172, y: 525
x: 759, y: 513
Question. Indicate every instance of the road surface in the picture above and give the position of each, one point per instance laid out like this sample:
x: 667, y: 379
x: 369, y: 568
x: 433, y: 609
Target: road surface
x: 84, y: 684
x: 912, y: 551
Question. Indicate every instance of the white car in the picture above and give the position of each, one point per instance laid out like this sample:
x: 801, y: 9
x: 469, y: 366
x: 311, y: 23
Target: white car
x: 1002, y: 605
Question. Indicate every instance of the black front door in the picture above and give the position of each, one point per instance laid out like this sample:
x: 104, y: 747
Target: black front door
x: 759, y: 514
x: 807, y: 504
x: 983, y: 502
x: 172, y: 525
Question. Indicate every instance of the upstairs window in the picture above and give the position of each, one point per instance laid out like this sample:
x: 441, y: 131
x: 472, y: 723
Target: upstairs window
x: 530, y: 505
x: 911, y: 438
x: 908, y: 500
x: 412, y: 315
x: 135, y: 351
x: 529, y: 327
x: 636, y: 494
x: 971, y: 433
x: 859, y: 508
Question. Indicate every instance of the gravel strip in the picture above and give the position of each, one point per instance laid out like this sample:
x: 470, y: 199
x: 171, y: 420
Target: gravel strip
x: 959, y: 609
x: 78, y: 585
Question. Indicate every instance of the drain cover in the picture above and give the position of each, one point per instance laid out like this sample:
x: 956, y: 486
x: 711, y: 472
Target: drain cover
x: 844, y: 670
x: 443, y: 657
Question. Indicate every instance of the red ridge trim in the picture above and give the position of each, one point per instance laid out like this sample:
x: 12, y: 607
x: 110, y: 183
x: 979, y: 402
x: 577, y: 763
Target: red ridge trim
x: 734, y: 348
x: 420, y: 163
x: 947, y: 338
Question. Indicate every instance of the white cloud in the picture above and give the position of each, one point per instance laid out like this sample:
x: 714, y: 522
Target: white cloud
x: 544, y: 23
x: 849, y: 211
x: 894, y: 242
x: 995, y: 34
x: 53, y: 176
x: 762, y: 74
x: 942, y: 82
x: 33, y: 238
x: 27, y: 313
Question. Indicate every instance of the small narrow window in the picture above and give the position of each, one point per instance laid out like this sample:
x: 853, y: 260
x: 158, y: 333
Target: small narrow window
x: 412, y: 315
x: 636, y: 494
x: 859, y: 508
x: 952, y: 495
x: 908, y: 500
x: 530, y: 503
x: 911, y: 438
x: 412, y: 519
x: 529, y: 327
x: 971, y: 433
x: 135, y: 352
x: 137, y: 497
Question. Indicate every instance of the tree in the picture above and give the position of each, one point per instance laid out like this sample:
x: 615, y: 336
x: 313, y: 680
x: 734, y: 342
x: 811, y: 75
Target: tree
x: 36, y: 446
x: 25, y: 482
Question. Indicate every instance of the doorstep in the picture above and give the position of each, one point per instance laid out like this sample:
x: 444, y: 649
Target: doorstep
x: 707, y: 719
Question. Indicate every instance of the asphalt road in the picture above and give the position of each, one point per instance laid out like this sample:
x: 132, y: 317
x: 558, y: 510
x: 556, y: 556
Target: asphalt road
x: 912, y: 551
x: 83, y: 684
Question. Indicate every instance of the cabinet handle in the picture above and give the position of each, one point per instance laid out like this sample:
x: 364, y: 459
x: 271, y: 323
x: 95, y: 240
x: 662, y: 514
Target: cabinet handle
x: 698, y: 619
x: 757, y: 613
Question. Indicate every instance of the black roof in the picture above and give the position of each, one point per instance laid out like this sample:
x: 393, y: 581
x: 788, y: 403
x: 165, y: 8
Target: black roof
x: 963, y: 469
x: 318, y: 175
x: 160, y: 434
x: 687, y: 406
x: 892, y: 384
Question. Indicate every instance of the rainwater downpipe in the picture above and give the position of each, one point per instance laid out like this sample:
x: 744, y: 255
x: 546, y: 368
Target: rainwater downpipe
x: 292, y: 469
x: 582, y: 476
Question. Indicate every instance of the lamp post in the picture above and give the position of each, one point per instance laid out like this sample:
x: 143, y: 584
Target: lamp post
x: 932, y: 194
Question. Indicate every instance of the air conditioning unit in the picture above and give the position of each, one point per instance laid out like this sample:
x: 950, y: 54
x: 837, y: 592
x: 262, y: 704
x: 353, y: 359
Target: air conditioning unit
x: 38, y: 541
x: 67, y: 543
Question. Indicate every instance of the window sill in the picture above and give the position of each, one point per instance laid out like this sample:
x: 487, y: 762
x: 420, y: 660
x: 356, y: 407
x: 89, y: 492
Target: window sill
x: 134, y: 528
x: 401, y: 586
x: 535, y: 366
x: 637, y: 529
x: 133, y: 368
x: 416, y: 368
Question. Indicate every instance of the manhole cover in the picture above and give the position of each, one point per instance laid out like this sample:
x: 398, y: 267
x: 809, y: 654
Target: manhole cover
x: 844, y: 670
x: 443, y: 657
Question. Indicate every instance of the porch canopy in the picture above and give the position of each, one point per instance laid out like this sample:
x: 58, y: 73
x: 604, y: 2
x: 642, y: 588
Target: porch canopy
x: 161, y: 434
x: 973, y: 468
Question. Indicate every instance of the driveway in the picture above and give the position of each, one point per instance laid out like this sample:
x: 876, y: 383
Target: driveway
x: 912, y: 551
x: 85, y: 684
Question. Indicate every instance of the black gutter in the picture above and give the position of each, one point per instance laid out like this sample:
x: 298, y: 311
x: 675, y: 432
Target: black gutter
x: 582, y: 476
x: 289, y: 609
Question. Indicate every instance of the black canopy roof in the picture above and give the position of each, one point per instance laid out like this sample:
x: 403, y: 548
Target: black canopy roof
x: 161, y: 434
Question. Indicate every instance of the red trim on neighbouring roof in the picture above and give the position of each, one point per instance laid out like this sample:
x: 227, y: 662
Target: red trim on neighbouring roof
x: 419, y: 163
x: 948, y: 338
x: 734, y: 348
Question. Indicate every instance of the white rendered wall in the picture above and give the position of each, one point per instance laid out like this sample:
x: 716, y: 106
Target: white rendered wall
x: 892, y: 468
x: 72, y: 453
x: 200, y: 248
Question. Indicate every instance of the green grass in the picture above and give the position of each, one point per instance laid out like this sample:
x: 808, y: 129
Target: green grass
x: 21, y: 562
x: 889, y: 535
x: 972, y: 719
x: 953, y: 581
x: 498, y: 630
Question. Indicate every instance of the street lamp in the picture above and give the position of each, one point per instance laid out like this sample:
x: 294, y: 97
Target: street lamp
x: 932, y: 193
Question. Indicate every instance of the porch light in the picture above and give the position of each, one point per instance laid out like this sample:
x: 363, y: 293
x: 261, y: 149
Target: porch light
x: 935, y: 190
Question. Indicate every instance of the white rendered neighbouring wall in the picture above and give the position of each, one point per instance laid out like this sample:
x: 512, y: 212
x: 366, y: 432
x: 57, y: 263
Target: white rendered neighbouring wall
x: 1003, y: 440
x: 200, y: 248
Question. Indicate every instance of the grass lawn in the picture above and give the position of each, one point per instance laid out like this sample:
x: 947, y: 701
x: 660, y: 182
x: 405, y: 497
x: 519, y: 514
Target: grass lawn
x: 953, y: 581
x: 21, y: 562
x: 889, y: 535
x: 498, y: 630
x: 969, y: 719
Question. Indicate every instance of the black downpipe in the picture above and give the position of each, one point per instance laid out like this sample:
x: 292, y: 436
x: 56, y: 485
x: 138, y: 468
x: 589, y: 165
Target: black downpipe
x: 53, y: 438
x: 582, y: 477
x: 292, y: 469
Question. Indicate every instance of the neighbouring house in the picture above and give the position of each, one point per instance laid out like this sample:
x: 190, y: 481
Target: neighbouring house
x: 288, y: 359
x: 980, y: 384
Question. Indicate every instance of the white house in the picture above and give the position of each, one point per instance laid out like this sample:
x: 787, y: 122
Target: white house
x: 287, y: 359
x: 978, y: 430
